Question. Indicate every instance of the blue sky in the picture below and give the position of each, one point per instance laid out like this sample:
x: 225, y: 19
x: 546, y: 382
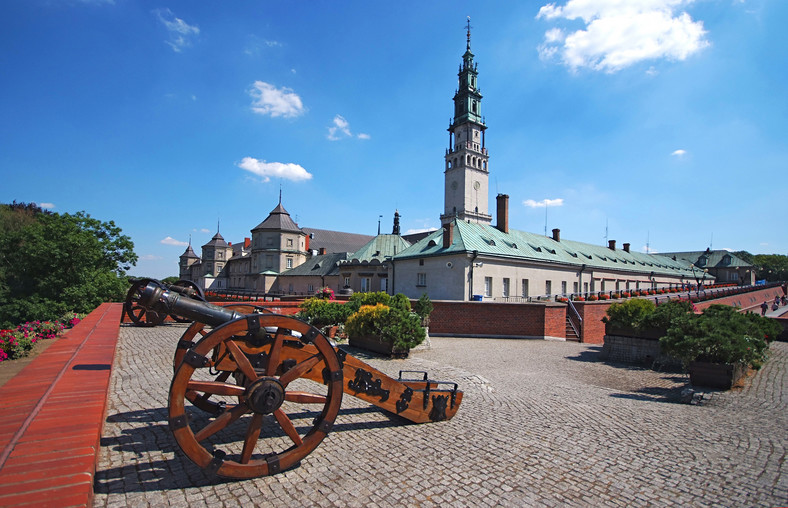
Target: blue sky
x: 659, y: 121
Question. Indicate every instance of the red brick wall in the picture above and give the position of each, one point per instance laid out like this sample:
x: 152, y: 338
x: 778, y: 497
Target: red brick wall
x: 498, y: 319
x: 593, y: 330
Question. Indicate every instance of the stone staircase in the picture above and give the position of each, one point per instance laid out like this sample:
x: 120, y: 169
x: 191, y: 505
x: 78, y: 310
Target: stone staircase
x: 570, y: 332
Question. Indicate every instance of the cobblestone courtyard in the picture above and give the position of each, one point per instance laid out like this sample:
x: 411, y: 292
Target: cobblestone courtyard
x: 542, y: 423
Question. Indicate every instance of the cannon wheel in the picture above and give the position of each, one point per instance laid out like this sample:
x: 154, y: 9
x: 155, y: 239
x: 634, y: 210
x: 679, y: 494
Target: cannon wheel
x: 260, y: 431
x: 203, y: 401
x: 199, y: 296
x: 138, y: 314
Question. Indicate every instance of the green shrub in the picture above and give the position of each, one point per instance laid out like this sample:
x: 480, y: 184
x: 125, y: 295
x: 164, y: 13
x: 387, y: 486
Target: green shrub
x: 629, y: 314
x: 320, y: 312
x: 720, y: 335
x: 423, y: 308
x: 666, y: 312
x: 392, y: 324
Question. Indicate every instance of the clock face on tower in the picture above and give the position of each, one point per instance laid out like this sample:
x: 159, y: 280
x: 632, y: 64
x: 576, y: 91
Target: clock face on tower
x: 476, y: 185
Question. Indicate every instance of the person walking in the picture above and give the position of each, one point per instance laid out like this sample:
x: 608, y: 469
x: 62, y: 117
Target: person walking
x: 764, y: 308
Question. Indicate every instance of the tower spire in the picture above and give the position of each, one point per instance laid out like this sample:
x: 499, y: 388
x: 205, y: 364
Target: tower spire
x: 468, y: 27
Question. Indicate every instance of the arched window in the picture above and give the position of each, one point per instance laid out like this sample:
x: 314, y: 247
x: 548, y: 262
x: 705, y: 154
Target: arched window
x: 468, y: 160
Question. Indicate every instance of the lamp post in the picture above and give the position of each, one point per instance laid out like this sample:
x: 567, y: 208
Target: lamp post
x: 698, y: 281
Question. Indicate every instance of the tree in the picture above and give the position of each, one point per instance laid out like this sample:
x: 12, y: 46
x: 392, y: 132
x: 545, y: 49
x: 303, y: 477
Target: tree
x: 53, y: 263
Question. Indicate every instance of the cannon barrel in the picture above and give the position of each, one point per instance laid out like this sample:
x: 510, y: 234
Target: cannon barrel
x: 161, y: 299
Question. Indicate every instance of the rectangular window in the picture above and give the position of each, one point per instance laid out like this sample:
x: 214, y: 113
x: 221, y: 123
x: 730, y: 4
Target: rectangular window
x: 289, y: 242
x: 347, y: 282
x: 384, y: 285
x: 505, y: 289
x: 627, y: 285
x: 602, y: 286
x: 525, y: 288
x: 575, y: 287
x: 618, y: 285
x: 364, y: 284
x: 585, y: 287
x: 563, y: 287
x: 290, y: 262
x: 421, y: 279
x: 548, y: 287
x: 310, y: 288
x: 488, y: 286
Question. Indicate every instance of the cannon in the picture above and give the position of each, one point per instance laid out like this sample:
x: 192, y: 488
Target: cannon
x: 141, y: 316
x: 267, y: 388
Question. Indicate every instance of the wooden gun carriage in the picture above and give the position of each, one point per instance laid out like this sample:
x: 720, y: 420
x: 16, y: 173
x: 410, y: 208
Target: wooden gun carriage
x: 269, y: 387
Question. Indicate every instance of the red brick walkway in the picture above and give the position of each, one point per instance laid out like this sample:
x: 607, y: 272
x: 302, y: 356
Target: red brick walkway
x: 52, y: 414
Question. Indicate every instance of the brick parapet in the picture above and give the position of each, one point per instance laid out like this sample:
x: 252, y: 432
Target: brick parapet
x: 490, y: 319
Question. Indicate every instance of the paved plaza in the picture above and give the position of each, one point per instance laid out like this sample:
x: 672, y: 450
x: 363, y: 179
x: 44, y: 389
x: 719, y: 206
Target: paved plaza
x: 542, y: 423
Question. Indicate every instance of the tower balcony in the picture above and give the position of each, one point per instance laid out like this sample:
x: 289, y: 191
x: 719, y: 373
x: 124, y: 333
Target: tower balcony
x: 467, y: 146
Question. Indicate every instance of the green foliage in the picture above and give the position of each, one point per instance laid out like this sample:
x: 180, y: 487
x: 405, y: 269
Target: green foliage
x: 666, y: 312
x: 423, y: 308
x: 772, y: 267
x: 52, y: 263
x: 170, y: 280
x: 629, y: 314
x: 392, y: 324
x: 357, y: 300
x: 321, y: 313
x: 400, y: 302
x: 720, y: 335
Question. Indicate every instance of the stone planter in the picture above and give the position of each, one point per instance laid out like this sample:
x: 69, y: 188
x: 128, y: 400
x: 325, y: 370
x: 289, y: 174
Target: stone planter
x: 715, y: 375
x: 376, y: 345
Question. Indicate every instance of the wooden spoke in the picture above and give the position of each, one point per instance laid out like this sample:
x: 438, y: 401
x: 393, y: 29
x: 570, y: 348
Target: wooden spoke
x: 299, y: 370
x: 221, y: 422
x: 216, y: 388
x: 287, y: 426
x: 273, y: 356
x: 241, y: 360
x: 252, y: 435
x: 305, y: 398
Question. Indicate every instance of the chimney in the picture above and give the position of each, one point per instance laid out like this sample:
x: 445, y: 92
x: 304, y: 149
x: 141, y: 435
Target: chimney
x: 626, y: 247
x: 611, y: 244
x: 503, y: 213
x: 557, y: 235
x: 448, y: 235
x: 322, y: 251
x: 247, y: 242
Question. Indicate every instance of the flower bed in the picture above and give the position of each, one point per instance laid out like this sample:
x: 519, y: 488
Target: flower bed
x: 17, y: 343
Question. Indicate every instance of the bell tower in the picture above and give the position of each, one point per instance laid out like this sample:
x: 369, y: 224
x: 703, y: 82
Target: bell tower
x: 466, y: 185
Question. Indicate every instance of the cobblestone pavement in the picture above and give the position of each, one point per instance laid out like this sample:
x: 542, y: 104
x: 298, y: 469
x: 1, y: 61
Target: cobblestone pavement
x: 542, y: 423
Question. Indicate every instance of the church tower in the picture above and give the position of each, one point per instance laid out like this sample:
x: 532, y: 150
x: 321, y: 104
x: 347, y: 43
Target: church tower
x: 466, y: 186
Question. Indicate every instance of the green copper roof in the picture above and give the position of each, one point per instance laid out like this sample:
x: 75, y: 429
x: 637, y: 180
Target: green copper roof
x: 380, y: 248
x: 325, y: 264
x: 709, y: 259
x: 523, y: 246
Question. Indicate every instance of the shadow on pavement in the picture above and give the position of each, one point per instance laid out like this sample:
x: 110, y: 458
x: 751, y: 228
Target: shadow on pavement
x: 179, y: 472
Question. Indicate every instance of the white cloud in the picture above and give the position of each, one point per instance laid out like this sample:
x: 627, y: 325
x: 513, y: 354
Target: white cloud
x: 266, y: 170
x: 679, y: 153
x: 47, y: 206
x: 530, y: 203
x: 341, y: 129
x: 150, y: 257
x: 620, y: 33
x: 172, y: 241
x: 204, y: 230
x: 269, y: 100
x: 179, y: 31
